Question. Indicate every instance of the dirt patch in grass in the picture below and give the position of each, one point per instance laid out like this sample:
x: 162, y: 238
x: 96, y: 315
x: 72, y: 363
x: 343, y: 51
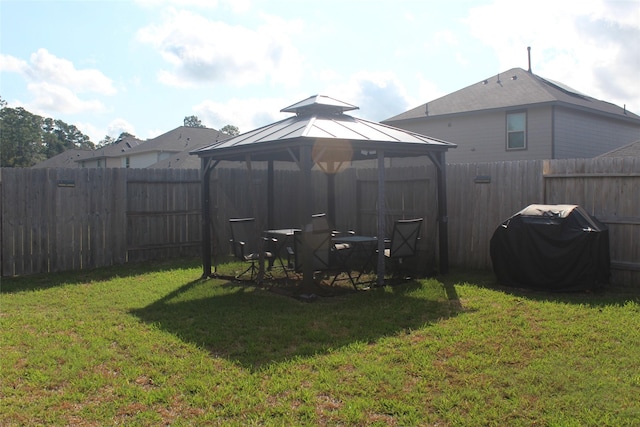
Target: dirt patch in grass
x: 294, y: 287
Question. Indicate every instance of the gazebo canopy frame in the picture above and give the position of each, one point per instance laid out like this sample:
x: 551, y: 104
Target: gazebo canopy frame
x: 321, y: 133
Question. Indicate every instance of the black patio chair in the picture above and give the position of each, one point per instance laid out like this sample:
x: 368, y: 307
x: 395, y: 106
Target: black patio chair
x: 247, y: 245
x: 403, y: 243
x: 320, y: 222
x: 326, y: 256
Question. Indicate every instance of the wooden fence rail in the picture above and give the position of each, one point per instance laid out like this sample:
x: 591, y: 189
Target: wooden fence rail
x: 66, y: 219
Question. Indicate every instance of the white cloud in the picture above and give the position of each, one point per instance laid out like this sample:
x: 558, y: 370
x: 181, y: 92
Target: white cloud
x: 184, y: 3
x: 378, y: 95
x: 48, y: 68
x: 427, y: 90
x: 151, y: 133
x: 446, y: 37
x: 55, y: 83
x: 95, y: 134
x: 246, y: 114
x: 590, y: 45
x: 202, y: 51
x: 235, y: 5
x: 119, y: 125
x: 13, y: 65
x: 49, y: 98
x: 114, y: 129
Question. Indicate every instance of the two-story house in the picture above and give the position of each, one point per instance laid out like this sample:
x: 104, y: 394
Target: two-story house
x: 518, y: 115
x: 109, y: 156
x: 162, y: 151
x: 163, y: 147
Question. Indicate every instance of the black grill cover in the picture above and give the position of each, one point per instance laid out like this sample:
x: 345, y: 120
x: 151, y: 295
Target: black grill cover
x: 551, y: 247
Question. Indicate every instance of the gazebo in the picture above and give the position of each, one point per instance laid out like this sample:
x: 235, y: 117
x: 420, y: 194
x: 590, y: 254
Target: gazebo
x: 321, y: 133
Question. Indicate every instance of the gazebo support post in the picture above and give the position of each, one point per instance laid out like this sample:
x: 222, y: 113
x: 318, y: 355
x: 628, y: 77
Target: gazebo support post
x: 270, y: 196
x: 259, y: 222
x: 381, y: 218
x: 205, y: 172
x: 331, y: 198
x: 443, y: 219
x: 305, y: 211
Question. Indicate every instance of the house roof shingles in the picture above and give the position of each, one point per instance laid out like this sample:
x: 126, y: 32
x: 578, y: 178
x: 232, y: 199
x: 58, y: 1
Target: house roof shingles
x: 180, y: 142
x: 629, y: 150
x: 112, y: 150
x: 511, y: 89
x: 180, y: 139
x: 66, y: 159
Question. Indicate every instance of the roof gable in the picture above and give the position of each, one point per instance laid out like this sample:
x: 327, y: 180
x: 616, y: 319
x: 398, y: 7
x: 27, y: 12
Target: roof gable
x: 515, y: 88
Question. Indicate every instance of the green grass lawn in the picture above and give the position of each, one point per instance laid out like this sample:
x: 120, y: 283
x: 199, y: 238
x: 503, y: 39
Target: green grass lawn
x: 156, y: 345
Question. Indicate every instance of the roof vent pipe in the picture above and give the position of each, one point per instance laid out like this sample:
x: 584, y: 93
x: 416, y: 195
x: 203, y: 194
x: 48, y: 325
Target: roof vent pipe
x: 529, y: 55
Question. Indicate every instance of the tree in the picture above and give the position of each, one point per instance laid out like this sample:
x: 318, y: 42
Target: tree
x: 21, y: 138
x: 58, y: 136
x: 124, y: 135
x: 230, y: 130
x: 107, y: 140
x: 193, y: 122
x: 27, y: 138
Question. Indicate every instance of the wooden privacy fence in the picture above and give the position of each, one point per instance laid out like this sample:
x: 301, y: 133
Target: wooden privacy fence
x: 63, y: 219
x: 67, y: 219
x: 608, y: 188
x: 481, y: 196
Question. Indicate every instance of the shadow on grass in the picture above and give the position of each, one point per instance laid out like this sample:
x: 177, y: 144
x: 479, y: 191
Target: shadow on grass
x: 254, y: 327
x: 598, y: 297
x: 51, y: 280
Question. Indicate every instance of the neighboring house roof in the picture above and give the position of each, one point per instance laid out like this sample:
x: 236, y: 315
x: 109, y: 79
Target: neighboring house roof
x: 629, y: 150
x: 183, y: 140
x: 180, y: 139
x: 66, y: 159
x: 181, y: 160
x: 512, y: 89
x: 117, y: 149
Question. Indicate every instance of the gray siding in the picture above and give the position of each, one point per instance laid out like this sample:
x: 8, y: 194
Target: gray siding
x: 481, y: 137
x: 584, y: 135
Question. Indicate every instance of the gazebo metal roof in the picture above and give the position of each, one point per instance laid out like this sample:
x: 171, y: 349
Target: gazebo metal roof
x: 322, y: 118
x: 320, y: 132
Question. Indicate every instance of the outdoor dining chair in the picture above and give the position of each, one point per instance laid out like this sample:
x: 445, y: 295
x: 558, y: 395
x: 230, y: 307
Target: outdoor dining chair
x: 403, y: 243
x: 246, y: 245
x: 325, y: 255
x: 320, y: 222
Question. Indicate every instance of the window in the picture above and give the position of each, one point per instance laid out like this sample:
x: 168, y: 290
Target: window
x: 127, y: 162
x: 516, y: 131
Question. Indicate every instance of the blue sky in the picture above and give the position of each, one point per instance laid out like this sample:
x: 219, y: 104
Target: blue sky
x: 142, y: 66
